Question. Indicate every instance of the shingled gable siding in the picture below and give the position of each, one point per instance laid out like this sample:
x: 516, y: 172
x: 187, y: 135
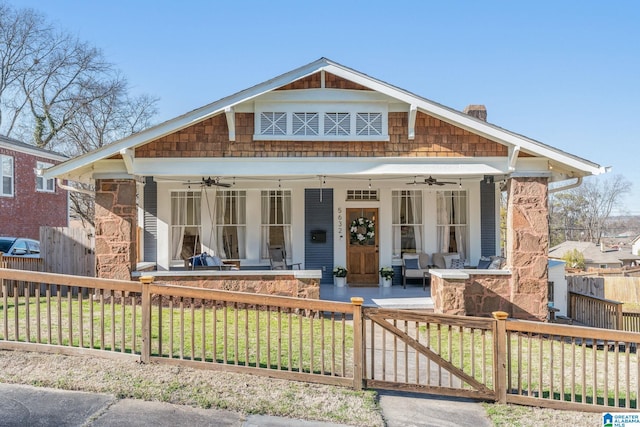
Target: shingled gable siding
x: 434, y: 138
x: 23, y: 214
x: 116, y: 224
x: 318, y: 215
x: 331, y: 81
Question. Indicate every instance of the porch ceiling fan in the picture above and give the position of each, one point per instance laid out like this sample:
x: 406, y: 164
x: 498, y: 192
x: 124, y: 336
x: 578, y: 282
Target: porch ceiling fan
x: 430, y: 181
x: 208, y: 182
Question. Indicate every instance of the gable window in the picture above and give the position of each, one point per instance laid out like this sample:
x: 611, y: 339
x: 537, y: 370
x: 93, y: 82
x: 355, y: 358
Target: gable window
x: 305, y: 124
x: 273, y: 123
x: 338, y: 124
x: 452, y: 222
x: 369, y: 124
x: 6, y: 174
x: 406, y: 221
x: 231, y: 224
x: 276, y: 221
x: 46, y: 185
x: 185, y: 224
x: 321, y: 121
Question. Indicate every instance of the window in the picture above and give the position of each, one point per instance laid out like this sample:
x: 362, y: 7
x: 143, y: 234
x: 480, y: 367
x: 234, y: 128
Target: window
x: 42, y: 184
x: 336, y: 121
x: 353, y: 195
x: 185, y: 224
x: 6, y: 173
x: 231, y: 224
x: 276, y: 221
x: 337, y: 124
x: 406, y: 221
x: 273, y: 123
x: 305, y: 124
x: 369, y: 124
x: 452, y: 222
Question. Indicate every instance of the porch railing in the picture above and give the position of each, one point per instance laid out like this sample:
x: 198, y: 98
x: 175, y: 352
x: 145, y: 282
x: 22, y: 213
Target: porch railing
x: 595, y: 312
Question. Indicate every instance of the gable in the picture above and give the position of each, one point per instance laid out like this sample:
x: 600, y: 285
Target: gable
x: 446, y: 133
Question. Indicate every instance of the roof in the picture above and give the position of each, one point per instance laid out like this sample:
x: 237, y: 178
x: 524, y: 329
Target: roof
x: 578, y: 166
x: 593, y: 254
x: 14, y: 144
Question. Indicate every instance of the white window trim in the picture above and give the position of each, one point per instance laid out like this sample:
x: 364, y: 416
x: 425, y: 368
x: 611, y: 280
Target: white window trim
x: 2, y: 176
x: 321, y: 108
x: 41, y: 183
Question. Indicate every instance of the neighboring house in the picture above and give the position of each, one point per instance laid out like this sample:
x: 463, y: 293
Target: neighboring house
x: 294, y: 161
x: 635, y: 246
x: 596, y: 256
x: 27, y: 200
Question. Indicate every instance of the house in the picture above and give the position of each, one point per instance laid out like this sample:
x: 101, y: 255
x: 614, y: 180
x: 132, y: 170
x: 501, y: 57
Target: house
x: 635, y: 245
x: 339, y: 168
x: 27, y: 200
x: 596, y: 256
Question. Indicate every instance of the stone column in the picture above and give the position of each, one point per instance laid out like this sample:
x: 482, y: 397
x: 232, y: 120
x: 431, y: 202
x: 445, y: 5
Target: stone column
x: 116, y: 225
x: 528, y: 246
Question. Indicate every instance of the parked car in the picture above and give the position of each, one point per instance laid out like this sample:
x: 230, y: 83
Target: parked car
x: 18, y: 246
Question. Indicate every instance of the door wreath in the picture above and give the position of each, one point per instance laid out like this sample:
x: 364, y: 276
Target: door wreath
x: 362, y: 229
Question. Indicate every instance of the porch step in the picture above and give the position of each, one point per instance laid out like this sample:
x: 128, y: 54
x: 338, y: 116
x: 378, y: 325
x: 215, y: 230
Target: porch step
x: 424, y: 303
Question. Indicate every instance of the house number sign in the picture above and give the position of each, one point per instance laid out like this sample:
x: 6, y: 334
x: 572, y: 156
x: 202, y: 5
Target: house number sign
x: 340, y: 222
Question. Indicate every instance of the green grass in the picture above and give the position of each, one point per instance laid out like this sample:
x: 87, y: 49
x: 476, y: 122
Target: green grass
x: 243, y: 336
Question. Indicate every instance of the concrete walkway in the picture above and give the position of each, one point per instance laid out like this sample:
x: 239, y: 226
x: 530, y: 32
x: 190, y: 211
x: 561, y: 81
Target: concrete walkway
x: 34, y: 406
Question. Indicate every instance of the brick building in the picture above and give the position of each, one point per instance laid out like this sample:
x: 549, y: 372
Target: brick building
x: 28, y: 201
x: 340, y: 169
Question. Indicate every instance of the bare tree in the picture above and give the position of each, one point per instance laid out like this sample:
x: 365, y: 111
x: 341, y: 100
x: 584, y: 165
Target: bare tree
x: 20, y: 36
x: 59, y: 93
x: 582, y: 213
x: 600, y: 197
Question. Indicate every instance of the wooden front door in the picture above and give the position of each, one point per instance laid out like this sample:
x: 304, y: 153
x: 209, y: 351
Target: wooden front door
x: 362, y: 246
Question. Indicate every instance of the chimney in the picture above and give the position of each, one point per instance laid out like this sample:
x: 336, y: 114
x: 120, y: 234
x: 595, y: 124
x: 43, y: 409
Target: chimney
x: 477, y: 111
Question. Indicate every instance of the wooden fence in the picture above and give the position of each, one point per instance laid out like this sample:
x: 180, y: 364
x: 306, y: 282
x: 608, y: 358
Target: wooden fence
x: 595, y: 312
x: 297, y: 339
x: 68, y: 250
x: 522, y: 362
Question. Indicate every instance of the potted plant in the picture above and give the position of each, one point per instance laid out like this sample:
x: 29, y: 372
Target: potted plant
x: 340, y: 274
x: 387, y: 276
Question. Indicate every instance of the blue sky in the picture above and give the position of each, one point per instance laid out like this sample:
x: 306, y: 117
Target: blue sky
x: 566, y: 73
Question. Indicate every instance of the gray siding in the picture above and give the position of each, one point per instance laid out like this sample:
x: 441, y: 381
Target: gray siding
x: 150, y: 220
x: 319, y: 216
x: 488, y: 217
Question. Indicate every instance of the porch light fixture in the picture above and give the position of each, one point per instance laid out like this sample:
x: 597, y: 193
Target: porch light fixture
x: 459, y: 182
x: 369, y: 183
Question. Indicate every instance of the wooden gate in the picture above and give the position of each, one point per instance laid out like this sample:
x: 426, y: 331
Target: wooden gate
x: 430, y: 353
x: 68, y: 250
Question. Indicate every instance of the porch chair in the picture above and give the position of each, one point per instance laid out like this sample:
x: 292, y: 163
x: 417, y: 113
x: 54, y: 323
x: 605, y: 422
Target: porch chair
x: 278, y: 259
x: 415, y: 266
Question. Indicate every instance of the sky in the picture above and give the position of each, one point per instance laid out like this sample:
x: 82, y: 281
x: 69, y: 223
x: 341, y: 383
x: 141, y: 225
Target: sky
x: 565, y: 73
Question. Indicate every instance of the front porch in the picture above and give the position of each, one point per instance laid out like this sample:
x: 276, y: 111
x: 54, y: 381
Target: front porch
x: 413, y: 297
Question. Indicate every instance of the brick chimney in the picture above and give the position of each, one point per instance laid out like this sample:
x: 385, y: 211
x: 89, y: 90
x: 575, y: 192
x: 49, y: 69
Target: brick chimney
x: 477, y: 111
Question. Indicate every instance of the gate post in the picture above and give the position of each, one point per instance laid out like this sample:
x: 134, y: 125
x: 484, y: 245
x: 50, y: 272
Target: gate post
x: 500, y: 355
x: 146, y: 319
x: 357, y: 342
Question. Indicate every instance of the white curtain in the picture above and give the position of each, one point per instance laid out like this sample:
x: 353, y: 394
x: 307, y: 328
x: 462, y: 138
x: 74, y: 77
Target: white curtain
x: 285, y: 206
x: 443, y: 222
x: 266, y: 220
x: 396, y: 207
x: 213, y: 235
x: 416, y: 212
x: 178, y: 219
x: 460, y: 218
x: 221, y: 215
x: 240, y: 222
